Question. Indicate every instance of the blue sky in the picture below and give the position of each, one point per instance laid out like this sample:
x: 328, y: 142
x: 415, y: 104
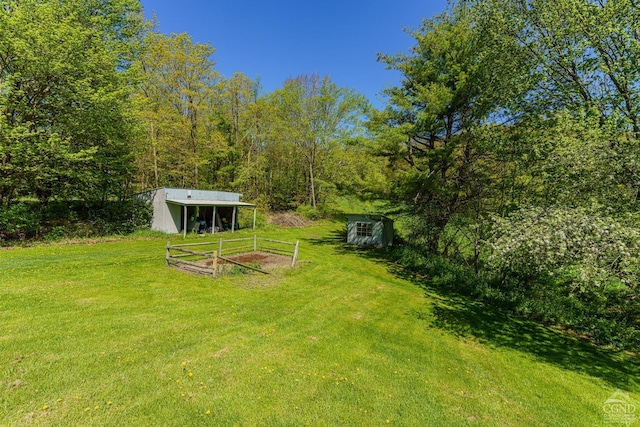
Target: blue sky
x: 278, y: 39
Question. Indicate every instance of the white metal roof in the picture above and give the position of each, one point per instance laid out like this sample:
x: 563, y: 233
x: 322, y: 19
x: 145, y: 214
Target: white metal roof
x: 195, y: 202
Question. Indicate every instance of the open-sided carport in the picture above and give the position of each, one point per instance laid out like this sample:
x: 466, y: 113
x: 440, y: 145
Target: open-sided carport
x: 173, y: 208
x: 217, y: 206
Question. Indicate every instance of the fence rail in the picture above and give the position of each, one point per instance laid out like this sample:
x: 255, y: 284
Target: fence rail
x: 259, y: 246
x: 222, y: 253
x: 190, y: 265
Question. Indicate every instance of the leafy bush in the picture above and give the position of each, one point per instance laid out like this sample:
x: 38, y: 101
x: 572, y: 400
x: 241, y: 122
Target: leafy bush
x: 19, y: 221
x: 56, y: 233
x: 562, y: 266
x: 440, y: 272
x: 572, y: 267
x: 309, y: 212
x: 120, y: 217
x: 538, y: 243
x: 61, y: 219
x: 245, y: 218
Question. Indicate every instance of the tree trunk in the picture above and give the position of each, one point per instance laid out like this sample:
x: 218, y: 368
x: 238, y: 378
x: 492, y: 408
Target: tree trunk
x: 313, y: 188
x: 154, y: 152
x: 193, y: 117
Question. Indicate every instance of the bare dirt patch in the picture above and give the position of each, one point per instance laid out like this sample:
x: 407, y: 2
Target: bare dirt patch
x: 266, y: 260
x: 17, y: 383
x: 288, y: 219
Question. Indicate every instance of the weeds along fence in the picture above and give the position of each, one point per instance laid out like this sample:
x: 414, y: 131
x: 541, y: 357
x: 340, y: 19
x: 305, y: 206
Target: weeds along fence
x: 207, y: 257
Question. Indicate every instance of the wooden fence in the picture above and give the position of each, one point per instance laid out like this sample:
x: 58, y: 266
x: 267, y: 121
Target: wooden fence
x: 187, y: 258
x: 192, y: 260
x: 259, y: 244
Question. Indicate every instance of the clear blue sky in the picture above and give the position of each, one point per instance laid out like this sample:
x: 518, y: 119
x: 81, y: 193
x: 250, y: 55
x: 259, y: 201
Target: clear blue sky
x: 278, y: 39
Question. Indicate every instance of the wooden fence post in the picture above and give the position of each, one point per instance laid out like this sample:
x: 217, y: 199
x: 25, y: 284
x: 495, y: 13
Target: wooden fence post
x: 220, y: 247
x: 214, y: 265
x: 168, y: 253
x: 255, y: 242
x: 295, y: 254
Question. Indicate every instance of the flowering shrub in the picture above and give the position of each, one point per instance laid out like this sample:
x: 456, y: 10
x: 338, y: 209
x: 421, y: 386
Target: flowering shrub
x: 537, y: 242
x: 572, y: 267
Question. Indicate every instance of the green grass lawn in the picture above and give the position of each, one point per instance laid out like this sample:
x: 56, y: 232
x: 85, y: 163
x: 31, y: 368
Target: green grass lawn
x: 105, y: 334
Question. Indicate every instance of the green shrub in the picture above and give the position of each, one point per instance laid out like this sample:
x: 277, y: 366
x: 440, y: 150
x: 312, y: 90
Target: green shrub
x: 120, y: 217
x: 440, y: 272
x: 20, y: 221
x: 245, y: 218
x: 56, y: 233
x: 571, y: 267
x: 608, y: 313
x: 309, y: 212
x: 65, y: 219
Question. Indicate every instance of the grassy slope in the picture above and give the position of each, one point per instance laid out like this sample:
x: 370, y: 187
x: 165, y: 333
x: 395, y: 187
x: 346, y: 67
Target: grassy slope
x: 104, y: 334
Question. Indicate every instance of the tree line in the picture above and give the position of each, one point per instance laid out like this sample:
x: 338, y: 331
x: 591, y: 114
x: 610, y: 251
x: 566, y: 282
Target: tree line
x: 96, y: 104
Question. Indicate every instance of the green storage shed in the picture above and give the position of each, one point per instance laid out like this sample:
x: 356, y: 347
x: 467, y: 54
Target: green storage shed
x: 369, y: 230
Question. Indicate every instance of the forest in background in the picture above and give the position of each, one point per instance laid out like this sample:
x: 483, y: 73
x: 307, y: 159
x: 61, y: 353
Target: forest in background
x: 508, y: 152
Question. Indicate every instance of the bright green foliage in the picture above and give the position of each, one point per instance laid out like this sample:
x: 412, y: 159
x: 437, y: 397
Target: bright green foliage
x: 527, y: 110
x: 564, y: 159
x: 281, y: 150
x: 584, y: 60
x: 240, y: 120
x: 587, y: 262
x: 457, y: 77
x: 312, y: 120
x: 583, y: 53
x: 177, y: 89
x: 64, y: 97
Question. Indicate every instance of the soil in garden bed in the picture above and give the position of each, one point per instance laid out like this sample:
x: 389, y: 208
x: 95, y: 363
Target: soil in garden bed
x: 266, y: 260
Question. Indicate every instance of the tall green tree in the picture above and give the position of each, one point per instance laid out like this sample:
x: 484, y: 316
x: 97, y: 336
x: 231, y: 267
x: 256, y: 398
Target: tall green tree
x: 312, y: 115
x: 236, y: 117
x: 457, y: 78
x: 584, y: 53
x: 65, y: 84
x: 177, y: 87
x: 584, y: 60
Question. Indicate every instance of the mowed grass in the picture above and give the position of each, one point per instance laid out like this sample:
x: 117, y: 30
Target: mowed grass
x: 105, y: 334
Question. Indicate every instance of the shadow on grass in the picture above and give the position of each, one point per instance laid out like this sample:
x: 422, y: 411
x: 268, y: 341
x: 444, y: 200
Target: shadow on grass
x: 495, y: 327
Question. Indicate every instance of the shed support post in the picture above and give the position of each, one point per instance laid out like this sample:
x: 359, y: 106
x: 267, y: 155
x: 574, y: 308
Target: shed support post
x: 184, y: 229
x: 233, y: 220
x: 213, y: 221
x: 255, y: 210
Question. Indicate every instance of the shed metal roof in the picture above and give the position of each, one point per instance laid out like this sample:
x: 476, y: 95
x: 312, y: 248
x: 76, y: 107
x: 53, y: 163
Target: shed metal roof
x: 373, y: 217
x: 196, y: 202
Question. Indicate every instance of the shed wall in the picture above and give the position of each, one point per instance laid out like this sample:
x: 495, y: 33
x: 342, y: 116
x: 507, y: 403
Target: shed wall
x: 381, y: 231
x: 166, y: 217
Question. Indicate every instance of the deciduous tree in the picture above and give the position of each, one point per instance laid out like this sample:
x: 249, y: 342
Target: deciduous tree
x: 65, y: 81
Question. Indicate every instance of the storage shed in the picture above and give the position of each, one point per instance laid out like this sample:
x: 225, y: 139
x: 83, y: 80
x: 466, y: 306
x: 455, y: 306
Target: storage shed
x: 178, y: 210
x: 369, y: 230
